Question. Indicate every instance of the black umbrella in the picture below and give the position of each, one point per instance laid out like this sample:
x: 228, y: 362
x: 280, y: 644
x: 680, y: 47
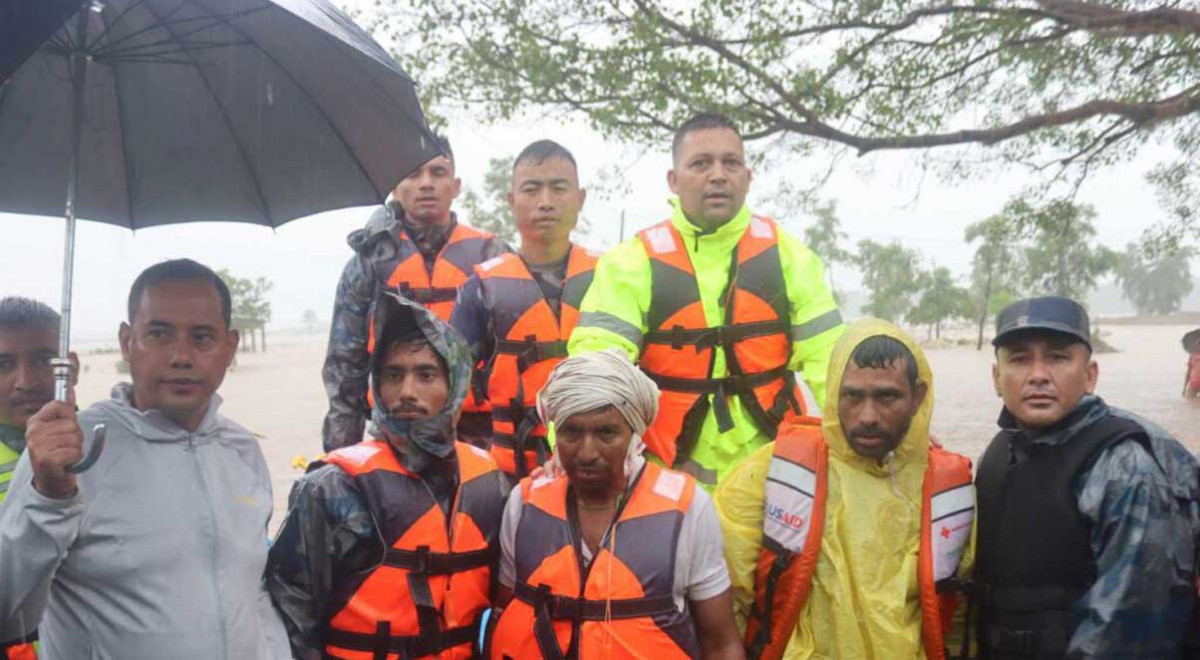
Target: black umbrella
x: 25, y: 25
x: 148, y: 112
x: 1191, y: 341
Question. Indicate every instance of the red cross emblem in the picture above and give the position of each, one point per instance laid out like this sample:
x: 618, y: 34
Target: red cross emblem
x: 945, y: 532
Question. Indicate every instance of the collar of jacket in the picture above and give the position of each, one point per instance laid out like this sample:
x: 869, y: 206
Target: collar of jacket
x: 691, y: 233
x: 386, y: 222
x: 1089, y: 409
x: 914, y: 447
x: 155, y: 426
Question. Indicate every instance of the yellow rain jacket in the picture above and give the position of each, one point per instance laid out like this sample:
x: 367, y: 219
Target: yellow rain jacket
x: 613, y: 315
x: 865, y: 601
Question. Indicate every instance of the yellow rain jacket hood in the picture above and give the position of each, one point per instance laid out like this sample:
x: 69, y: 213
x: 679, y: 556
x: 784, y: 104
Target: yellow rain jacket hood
x: 865, y: 600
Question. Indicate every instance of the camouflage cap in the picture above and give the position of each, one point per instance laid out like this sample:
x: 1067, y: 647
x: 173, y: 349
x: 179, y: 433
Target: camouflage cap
x: 1048, y: 313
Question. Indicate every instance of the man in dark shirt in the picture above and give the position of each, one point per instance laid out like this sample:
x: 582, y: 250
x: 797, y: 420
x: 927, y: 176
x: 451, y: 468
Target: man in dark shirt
x: 415, y: 246
x: 518, y: 310
x: 1087, y: 513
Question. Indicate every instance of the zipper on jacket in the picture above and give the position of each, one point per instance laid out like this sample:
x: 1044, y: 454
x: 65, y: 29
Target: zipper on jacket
x: 212, y: 515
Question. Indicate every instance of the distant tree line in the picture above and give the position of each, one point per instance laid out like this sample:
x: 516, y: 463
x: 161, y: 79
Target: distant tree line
x: 1028, y: 248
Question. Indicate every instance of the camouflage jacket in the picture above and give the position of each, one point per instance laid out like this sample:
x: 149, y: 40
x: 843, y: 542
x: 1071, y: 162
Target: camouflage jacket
x: 1143, y: 507
x: 365, y: 276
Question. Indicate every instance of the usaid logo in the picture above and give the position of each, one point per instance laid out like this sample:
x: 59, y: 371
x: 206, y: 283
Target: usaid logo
x: 785, y: 517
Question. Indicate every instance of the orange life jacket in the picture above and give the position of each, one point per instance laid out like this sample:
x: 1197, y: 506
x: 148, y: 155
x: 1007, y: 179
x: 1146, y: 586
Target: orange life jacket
x: 464, y: 249
x: 529, y: 342
x: 621, y: 606
x: 21, y: 649
x: 794, y: 520
x: 679, y: 350
x: 427, y: 596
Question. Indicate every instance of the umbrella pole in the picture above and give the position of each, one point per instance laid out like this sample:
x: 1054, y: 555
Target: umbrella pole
x: 62, y: 365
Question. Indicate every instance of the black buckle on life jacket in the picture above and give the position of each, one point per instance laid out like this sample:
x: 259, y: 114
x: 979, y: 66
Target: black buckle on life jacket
x: 425, y: 562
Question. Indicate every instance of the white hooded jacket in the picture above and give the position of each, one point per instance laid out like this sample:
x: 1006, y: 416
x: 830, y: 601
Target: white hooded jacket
x: 159, y: 555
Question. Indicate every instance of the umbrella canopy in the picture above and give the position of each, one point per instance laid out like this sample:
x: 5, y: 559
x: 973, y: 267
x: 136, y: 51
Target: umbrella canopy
x: 1191, y: 341
x: 251, y: 111
x: 25, y: 25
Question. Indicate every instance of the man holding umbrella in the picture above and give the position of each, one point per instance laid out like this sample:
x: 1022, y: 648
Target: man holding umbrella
x: 416, y: 246
x: 158, y: 550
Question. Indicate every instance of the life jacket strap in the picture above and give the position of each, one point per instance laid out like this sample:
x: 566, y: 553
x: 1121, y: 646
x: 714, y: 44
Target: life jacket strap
x: 427, y: 295
x: 408, y: 646
x: 566, y: 608
x: 522, y: 439
x: 721, y: 335
x: 720, y: 389
x: 439, y: 563
x: 530, y: 351
x: 765, y: 615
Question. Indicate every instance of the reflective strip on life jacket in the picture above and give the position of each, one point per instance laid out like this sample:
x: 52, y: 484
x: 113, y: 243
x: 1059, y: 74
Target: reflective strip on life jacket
x: 8, y: 465
x: 428, y: 594
x: 793, y: 523
x: 679, y: 349
x: 529, y: 342
x: 625, y: 607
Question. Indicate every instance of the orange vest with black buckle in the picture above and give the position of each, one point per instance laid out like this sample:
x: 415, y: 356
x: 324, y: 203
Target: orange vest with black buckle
x: 426, y: 598
x: 529, y: 342
x: 794, y: 520
x: 619, y: 606
x: 464, y: 249
x: 680, y: 349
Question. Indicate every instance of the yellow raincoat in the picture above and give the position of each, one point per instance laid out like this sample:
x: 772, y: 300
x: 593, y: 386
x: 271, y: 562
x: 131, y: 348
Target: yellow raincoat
x: 865, y: 602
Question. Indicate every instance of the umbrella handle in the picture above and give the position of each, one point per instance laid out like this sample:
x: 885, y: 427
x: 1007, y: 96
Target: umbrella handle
x: 98, y: 434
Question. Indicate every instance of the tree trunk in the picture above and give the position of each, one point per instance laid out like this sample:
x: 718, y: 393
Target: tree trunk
x: 263, y: 330
x: 987, y: 295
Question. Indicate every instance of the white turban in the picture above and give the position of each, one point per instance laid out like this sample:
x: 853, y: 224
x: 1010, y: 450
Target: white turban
x: 591, y: 381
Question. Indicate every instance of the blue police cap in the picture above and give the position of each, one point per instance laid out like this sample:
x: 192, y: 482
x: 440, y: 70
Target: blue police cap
x: 1048, y: 313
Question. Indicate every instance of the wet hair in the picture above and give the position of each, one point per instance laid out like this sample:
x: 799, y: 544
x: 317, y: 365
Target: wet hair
x: 177, y: 270
x: 882, y: 352
x: 18, y: 313
x: 543, y: 150
x: 702, y: 122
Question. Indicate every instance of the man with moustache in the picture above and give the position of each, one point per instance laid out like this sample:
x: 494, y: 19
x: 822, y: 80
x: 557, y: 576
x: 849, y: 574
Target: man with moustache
x: 389, y: 545
x: 158, y: 549
x: 842, y: 537
x: 608, y: 555
x: 417, y: 247
x: 28, y: 343
x: 718, y: 305
x: 1088, y: 514
x: 518, y: 310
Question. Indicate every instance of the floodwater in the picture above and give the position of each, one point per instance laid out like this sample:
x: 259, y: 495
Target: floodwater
x: 279, y: 395
x: 1145, y: 376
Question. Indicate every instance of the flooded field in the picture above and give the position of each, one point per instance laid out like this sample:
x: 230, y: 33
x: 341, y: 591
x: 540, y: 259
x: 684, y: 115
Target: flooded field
x: 279, y: 395
x: 1145, y: 376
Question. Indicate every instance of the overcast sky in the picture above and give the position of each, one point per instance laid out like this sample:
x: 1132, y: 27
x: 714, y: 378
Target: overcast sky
x: 881, y: 196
